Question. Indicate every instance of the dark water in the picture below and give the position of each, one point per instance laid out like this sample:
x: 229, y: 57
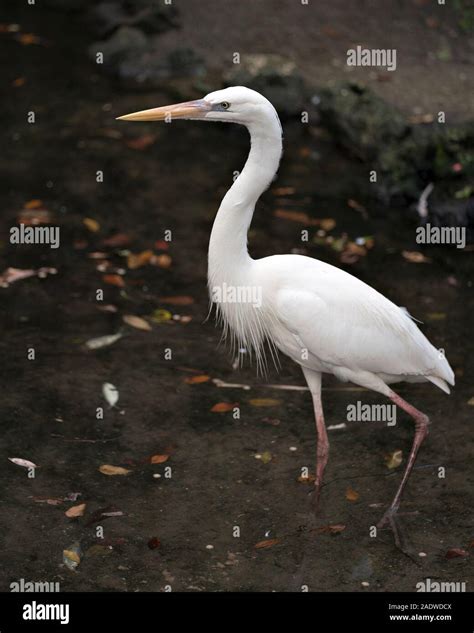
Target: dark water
x: 48, y: 404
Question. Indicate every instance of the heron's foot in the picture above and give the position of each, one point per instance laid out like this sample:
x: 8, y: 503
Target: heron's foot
x: 390, y: 519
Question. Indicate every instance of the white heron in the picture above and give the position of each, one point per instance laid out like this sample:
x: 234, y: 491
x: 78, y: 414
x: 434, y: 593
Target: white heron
x: 323, y: 318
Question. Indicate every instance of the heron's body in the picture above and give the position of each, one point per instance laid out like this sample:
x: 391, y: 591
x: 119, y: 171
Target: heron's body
x: 323, y: 318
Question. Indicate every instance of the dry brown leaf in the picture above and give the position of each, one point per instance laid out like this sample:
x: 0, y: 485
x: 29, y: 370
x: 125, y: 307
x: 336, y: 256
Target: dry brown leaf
x: 34, y: 204
x: 114, y: 280
x: 264, y: 402
x: 196, y: 380
x: 265, y: 457
x: 108, y: 469
x: 91, y: 224
x: 306, y: 480
x: 327, y: 224
x: 136, y: 322
x: 177, y: 301
x: 159, y: 459
x: 415, y: 257
x: 267, y: 543
x: 141, y: 142
x: 28, y: 38
x: 117, y: 240
x: 456, y: 552
x: 222, y: 407
x: 76, y: 511
x: 296, y: 216
x: 283, y: 191
x: 333, y: 529
x: 162, y: 261
x: 34, y: 217
x: 393, y: 460
x: 137, y: 260
x: 351, y: 495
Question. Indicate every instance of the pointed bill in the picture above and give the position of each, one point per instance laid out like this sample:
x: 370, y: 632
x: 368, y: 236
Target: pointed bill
x: 187, y: 110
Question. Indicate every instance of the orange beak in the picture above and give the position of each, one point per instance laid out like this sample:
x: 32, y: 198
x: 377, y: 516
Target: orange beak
x: 187, y: 110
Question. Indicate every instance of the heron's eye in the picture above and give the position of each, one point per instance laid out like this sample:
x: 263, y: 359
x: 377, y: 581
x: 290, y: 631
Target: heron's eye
x: 225, y: 105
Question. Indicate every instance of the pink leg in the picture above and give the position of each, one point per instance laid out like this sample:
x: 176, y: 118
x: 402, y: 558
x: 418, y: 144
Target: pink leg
x: 322, y: 452
x: 421, y: 431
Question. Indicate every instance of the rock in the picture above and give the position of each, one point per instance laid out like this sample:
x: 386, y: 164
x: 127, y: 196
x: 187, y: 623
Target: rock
x: 406, y: 157
x: 135, y: 59
x: 275, y: 77
x: 150, y: 17
x: 125, y: 42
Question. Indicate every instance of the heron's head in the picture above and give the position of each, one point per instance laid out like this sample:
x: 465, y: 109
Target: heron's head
x: 235, y: 105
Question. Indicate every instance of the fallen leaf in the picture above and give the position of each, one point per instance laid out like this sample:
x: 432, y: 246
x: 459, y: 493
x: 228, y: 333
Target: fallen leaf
x: 266, y: 457
x: 137, y: 322
x: 159, y: 459
x: 296, y: 216
x: 267, y: 543
x: 193, y: 380
x: 110, y: 393
x: 141, y: 142
x: 76, y: 511
x: 177, y: 301
x: 154, y: 542
x: 351, y: 495
x: 415, y: 257
x: 33, y: 204
x: 416, y: 119
x: 114, y: 280
x: 103, y: 341
x: 117, y: 240
x: 16, y: 274
x: 436, y: 316
x: 283, y: 191
x: 28, y: 38
x: 162, y: 261
x: 108, y: 469
x: 264, y: 402
x: 161, y: 316
x: 393, y: 460
x: 25, y: 463
x: 353, y: 204
x: 470, y: 402
x: 72, y: 556
x: 91, y: 224
x: 33, y: 217
x: 456, y: 552
x: 222, y: 407
x: 327, y: 224
x: 49, y: 501
x: 333, y: 529
x: 309, y: 479
x: 137, y: 260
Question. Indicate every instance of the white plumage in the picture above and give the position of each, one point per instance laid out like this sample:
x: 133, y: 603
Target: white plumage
x: 323, y: 318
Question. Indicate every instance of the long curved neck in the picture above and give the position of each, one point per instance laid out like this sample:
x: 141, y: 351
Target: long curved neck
x: 228, y: 243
